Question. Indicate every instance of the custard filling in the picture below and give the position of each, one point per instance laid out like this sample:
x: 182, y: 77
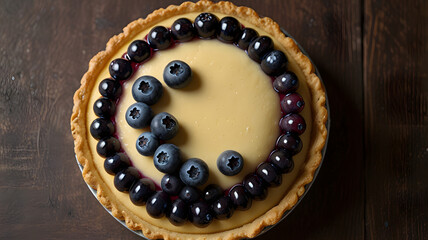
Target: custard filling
x: 229, y: 105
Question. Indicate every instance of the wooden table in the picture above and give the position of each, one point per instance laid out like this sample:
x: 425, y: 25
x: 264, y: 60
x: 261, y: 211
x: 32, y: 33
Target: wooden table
x: 372, y: 55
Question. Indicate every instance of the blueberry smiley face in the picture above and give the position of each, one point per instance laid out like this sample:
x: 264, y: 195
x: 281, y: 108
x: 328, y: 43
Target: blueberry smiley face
x: 181, y: 197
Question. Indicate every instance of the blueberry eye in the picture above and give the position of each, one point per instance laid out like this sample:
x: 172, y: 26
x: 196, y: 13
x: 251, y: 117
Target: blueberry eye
x: 177, y: 74
x: 230, y: 162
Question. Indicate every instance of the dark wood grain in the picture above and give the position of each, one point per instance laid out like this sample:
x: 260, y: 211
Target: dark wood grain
x: 396, y: 118
x: 371, y: 54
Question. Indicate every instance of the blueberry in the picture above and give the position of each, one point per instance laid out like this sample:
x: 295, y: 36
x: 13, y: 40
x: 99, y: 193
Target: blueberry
x: 138, y: 51
x: 282, y: 161
x: 167, y: 158
x: 274, y: 63
x: 200, y: 214
x: 194, y: 172
x: 158, y: 204
x: 147, y: 143
x: 223, y: 208
x: 259, y: 48
x: 247, y: 36
x: 290, y: 143
x: 182, y: 30
x: 171, y: 184
x: 240, y: 198
x: 206, y: 25
x: 139, y: 115
x: 267, y: 172
x: 120, y: 69
x: 147, y: 89
x: 141, y: 191
x: 212, y: 192
x: 190, y: 194
x: 124, y: 179
x: 292, y: 103
x: 104, y: 107
x: 101, y: 128
x: 230, y: 162
x: 116, y: 163
x: 108, y: 146
x: 286, y: 83
x: 110, y: 88
x: 164, y: 126
x: 255, y: 187
x: 159, y: 38
x: 293, y: 123
x: 177, y: 74
x: 229, y: 30
x: 179, y: 212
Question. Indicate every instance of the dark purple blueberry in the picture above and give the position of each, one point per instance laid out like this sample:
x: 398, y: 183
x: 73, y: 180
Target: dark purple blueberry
x: 267, y: 172
x: 167, y: 158
x: 159, y: 38
x: 259, y: 48
x: 171, y: 184
x: 124, y: 179
x: 139, y: 115
x: 206, y: 25
x: 138, y: 51
x: 255, y: 187
x: 179, y: 212
x: 147, y: 89
x: 282, y: 161
x: 290, y: 142
x: 110, y: 88
x: 274, y: 63
x: 223, y: 208
x: 182, y: 30
x: 158, y: 204
x: 194, y: 172
x: 164, y: 126
x: 190, y: 194
x: 101, y: 128
x: 292, y: 103
x: 108, y: 146
x: 147, y: 143
x: 286, y: 83
x: 116, y: 163
x: 120, y: 69
x: 240, y: 198
x: 230, y: 162
x: 212, y: 192
x: 229, y: 30
x: 177, y: 74
x: 104, y: 107
x: 293, y: 123
x: 141, y: 191
x: 200, y: 214
x: 247, y: 36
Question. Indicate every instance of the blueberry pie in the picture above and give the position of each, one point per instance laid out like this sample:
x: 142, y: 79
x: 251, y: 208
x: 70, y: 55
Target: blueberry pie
x: 201, y: 121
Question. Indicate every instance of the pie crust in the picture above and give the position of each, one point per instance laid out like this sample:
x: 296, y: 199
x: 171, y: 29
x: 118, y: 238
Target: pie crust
x: 297, y: 188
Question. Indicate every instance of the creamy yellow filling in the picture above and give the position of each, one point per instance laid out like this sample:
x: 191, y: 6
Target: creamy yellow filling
x: 222, y: 109
x: 230, y: 104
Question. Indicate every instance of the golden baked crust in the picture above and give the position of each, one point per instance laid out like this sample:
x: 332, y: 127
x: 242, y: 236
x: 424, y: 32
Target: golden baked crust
x: 97, y: 63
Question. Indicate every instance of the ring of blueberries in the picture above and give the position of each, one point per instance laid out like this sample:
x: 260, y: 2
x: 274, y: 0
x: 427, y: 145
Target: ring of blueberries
x: 179, y: 197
